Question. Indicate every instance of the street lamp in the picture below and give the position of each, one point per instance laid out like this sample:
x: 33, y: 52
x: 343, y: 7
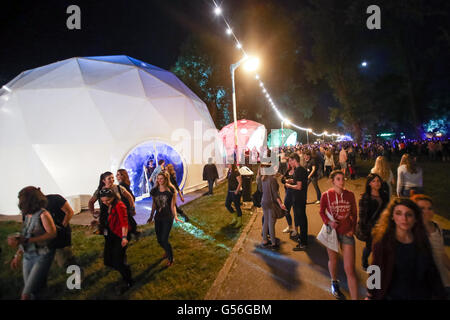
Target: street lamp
x: 251, y: 64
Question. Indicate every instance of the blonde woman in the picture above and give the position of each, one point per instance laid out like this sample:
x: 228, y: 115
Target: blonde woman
x: 409, y: 177
x: 383, y: 169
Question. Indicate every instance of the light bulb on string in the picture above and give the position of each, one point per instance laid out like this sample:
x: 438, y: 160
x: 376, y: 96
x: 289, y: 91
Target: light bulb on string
x: 229, y: 31
x: 218, y: 11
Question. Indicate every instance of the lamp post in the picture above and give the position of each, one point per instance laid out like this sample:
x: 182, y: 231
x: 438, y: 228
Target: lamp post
x: 251, y: 65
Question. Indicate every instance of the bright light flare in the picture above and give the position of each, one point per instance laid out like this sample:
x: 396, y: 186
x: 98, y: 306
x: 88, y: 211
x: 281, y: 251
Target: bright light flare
x: 218, y: 11
x: 251, y: 64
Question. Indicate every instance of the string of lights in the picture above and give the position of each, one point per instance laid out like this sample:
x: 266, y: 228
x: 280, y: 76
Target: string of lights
x: 229, y: 31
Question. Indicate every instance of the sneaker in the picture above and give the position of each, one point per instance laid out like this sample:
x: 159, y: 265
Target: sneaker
x: 317, y: 202
x: 294, y: 234
x: 286, y: 230
x: 335, y: 290
x: 300, y: 247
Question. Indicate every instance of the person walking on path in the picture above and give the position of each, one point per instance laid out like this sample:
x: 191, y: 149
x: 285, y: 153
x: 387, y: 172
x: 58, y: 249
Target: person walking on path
x: 289, y: 199
x: 343, y: 160
x: 409, y: 177
x: 164, y: 199
x: 124, y: 181
x: 210, y: 174
x: 62, y: 213
x: 383, y: 169
x: 107, y: 182
x: 157, y: 171
x: 116, y: 236
x: 329, y: 163
x: 436, y: 238
x: 402, y: 251
x: 299, y: 186
x: 270, y: 199
x: 234, y: 194
x: 312, y: 169
x: 373, y: 201
x: 34, y: 242
x: 341, y: 204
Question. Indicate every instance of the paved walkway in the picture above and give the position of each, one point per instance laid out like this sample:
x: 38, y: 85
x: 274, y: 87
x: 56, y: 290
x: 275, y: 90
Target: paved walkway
x: 260, y: 274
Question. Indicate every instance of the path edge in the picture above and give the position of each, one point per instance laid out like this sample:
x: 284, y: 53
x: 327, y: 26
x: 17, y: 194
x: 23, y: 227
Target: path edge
x: 223, y: 273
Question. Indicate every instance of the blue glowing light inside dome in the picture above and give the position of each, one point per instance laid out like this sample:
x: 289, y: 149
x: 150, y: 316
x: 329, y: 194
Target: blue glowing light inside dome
x: 139, y: 158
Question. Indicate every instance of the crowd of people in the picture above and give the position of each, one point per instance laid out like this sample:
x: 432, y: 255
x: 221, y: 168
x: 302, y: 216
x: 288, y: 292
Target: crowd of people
x: 397, y: 230
x: 393, y: 217
x: 46, y: 232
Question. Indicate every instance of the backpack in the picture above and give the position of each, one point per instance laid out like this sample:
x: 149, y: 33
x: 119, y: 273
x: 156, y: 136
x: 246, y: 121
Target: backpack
x: 132, y: 225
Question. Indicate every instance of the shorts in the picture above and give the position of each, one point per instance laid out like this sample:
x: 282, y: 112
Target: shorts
x: 343, y: 165
x: 343, y: 239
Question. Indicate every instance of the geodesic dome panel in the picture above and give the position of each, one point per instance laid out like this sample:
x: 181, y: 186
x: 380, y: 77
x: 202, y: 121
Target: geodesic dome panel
x: 63, y: 124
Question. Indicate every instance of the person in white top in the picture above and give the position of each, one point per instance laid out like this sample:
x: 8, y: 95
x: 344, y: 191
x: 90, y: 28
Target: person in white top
x: 436, y: 238
x: 383, y: 169
x: 343, y: 160
x: 409, y: 177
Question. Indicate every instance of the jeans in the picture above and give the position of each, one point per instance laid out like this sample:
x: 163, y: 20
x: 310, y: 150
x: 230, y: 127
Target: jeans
x: 316, y: 187
x: 35, y: 271
x: 405, y: 192
x: 162, y: 229
x: 236, y: 199
x: 288, y: 202
x: 210, y: 186
x: 115, y: 256
x: 269, y: 224
x: 300, y: 219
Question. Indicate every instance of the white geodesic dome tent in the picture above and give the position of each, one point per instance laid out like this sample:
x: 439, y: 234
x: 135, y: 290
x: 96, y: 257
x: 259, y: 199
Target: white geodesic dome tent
x: 63, y: 124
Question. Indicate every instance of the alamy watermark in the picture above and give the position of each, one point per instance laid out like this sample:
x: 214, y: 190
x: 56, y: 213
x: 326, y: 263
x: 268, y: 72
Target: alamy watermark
x: 74, y: 280
x: 374, y: 21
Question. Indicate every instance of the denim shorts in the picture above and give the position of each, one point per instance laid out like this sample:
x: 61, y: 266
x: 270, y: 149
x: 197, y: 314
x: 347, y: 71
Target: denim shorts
x: 343, y: 239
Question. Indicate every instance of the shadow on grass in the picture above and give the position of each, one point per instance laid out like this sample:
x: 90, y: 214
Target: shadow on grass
x: 282, y: 268
x: 145, y: 277
x: 227, y: 232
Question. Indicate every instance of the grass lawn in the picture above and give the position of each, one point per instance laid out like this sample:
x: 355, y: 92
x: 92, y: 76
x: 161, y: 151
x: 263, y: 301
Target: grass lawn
x: 200, y: 250
x: 436, y: 180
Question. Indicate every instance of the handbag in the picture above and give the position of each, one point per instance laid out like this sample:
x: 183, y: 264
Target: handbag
x: 327, y: 235
x: 278, y: 211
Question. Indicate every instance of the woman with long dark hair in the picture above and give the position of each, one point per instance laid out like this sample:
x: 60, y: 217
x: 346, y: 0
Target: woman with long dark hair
x: 373, y: 201
x: 402, y: 252
x: 124, y: 181
x: 116, y: 236
x: 34, y: 242
x: 107, y: 182
x: 164, y: 199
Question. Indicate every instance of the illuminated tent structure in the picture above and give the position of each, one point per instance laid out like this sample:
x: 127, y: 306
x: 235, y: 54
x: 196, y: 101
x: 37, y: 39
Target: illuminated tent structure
x: 63, y: 124
x: 251, y: 136
x: 287, y: 137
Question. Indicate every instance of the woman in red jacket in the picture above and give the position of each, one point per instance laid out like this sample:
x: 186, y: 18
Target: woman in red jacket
x: 341, y: 204
x: 116, y: 236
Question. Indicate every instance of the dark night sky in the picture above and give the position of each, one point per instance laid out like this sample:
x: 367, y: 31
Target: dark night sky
x: 34, y: 33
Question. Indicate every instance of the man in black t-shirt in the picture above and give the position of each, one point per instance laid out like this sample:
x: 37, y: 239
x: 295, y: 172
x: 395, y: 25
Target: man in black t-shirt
x: 312, y: 169
x: 62, y: 212
x: 299, y: 184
